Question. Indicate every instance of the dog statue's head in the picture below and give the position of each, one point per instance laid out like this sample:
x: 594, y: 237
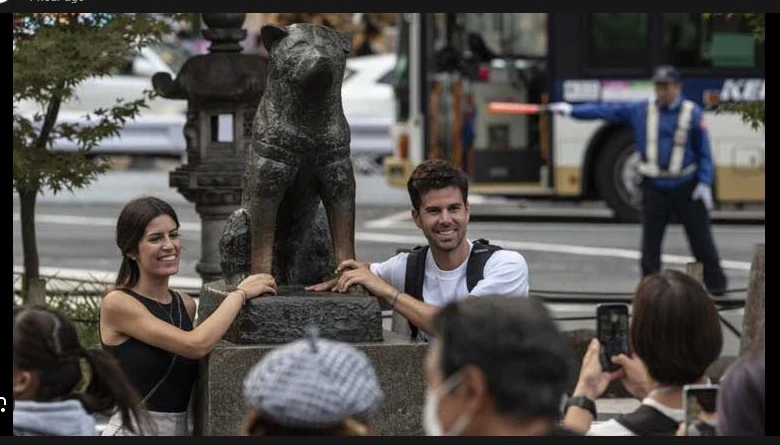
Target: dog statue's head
x: 310, y: 56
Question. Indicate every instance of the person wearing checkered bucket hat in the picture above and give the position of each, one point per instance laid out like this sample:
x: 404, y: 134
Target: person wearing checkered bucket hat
x: 312, y: 387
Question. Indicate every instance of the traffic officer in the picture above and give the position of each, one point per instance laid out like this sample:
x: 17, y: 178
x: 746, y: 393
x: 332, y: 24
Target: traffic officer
x: 677, y: 169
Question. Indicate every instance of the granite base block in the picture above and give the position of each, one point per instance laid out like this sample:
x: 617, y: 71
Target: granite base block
x: 285, y: 317
x: 397, y: 360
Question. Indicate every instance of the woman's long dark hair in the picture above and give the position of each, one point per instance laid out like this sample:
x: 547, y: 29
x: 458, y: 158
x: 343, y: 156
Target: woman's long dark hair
x: 130, y: 228
x: 46, y: 343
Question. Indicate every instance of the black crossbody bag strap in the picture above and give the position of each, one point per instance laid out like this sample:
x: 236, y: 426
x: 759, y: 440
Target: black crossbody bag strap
x: 648, y: 421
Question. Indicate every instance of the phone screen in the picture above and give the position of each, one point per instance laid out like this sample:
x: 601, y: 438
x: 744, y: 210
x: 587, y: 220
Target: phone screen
x: 700, y: 409
x: 613, y: 333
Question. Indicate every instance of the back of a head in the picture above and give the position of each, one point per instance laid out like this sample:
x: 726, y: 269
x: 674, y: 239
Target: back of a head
x: 44, y: 341
x: 515, y: 343
x: 675, y: 327
x: 742, y: 397
x: 435, y: 174
x: 311, y: 386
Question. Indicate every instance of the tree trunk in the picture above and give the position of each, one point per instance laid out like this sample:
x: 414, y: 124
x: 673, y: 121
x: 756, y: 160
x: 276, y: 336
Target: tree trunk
x: 29, y: 244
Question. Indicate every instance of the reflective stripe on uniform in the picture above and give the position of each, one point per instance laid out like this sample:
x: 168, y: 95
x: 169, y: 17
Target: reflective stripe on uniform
x: 651, y: 167
x: 651, y: 148
x: 681, y: 136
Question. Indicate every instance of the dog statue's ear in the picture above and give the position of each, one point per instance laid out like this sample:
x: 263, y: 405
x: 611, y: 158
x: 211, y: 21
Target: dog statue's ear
x: 345, y: 43
x: 271, y: 34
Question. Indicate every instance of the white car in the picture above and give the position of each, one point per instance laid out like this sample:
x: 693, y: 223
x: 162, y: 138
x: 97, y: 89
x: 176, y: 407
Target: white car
x: 367, y: 98
x: 369, y: 106
x: 157, y: 130
x: 128, y: 84
x: 367, y: 90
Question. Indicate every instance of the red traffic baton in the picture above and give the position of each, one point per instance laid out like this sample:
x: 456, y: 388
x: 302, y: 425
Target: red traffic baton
x: 515, y: 108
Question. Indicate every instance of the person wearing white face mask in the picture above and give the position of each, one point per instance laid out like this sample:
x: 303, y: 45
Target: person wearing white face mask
x: 498, y: 367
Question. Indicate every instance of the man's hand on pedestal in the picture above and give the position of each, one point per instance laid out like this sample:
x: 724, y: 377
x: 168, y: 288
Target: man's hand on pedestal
x: 325, y: 286
x: 331, y: 285
x: 356, y: 273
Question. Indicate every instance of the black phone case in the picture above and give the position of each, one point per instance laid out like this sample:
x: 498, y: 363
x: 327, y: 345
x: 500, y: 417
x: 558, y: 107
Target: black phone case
x: 614, y: 347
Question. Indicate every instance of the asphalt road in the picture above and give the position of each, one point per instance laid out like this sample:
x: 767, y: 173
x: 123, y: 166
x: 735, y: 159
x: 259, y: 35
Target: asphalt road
x: 76, y: 236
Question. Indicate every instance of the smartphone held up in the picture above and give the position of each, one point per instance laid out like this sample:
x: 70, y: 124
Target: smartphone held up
x: 699, y: 402
x: 612, y: 332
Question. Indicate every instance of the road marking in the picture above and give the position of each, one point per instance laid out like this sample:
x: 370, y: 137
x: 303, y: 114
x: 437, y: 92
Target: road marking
x: 389, y: 221
x: 521, y: 246
x: 410, y: 240
x: 93, y: 221
x: 407, y: 224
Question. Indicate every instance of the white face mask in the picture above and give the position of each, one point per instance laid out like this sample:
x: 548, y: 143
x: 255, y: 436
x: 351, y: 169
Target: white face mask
x: 431, y: 423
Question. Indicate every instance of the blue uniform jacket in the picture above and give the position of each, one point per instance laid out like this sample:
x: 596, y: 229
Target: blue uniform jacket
x: 697, y: 148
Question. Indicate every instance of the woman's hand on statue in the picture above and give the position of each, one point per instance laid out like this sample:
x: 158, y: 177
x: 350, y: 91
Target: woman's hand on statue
x: 257, y: 285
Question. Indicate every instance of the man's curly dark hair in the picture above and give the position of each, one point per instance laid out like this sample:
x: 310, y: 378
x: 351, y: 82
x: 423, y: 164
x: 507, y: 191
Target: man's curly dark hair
x: 435, y: 174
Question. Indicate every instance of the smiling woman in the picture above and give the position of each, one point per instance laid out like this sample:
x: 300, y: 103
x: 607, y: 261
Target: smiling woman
x: 149, y: 328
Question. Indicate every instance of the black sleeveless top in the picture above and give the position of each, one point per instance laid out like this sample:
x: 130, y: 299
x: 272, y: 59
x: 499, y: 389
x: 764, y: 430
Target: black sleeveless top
x: 144, y: 364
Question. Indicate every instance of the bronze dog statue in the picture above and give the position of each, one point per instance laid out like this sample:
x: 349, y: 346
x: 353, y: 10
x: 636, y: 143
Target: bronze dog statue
x: 299, y: 156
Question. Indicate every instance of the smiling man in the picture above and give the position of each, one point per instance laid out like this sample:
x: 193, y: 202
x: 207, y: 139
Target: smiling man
x: 440, y: 208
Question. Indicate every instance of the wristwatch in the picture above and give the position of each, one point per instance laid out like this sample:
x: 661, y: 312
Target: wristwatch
x: 582, y: 402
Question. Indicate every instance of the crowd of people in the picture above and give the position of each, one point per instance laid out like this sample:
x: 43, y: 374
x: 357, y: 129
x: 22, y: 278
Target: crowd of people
x: 496, y: 363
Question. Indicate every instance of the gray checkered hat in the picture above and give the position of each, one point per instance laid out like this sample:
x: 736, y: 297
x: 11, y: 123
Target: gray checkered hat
x: 313, y: 383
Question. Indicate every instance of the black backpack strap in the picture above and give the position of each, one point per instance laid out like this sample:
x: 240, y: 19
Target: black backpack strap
x: 415, y: 274
x: 481, y: 251
x: 648, y: 421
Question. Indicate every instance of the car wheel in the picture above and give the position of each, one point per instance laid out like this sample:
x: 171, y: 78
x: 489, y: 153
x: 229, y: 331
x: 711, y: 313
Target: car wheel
x: 617, y: 176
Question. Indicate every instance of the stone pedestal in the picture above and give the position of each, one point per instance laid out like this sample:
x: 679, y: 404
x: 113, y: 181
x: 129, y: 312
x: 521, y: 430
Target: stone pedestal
x: 285, y: 317
x: 399, y: 365
x: 266, y: 322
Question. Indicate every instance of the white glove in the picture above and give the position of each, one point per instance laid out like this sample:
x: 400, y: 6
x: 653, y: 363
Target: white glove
x: 704, y: 192
x: 561, y: 108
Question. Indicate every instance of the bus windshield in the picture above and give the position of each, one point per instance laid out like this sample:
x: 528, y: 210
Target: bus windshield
x: 509, y: 35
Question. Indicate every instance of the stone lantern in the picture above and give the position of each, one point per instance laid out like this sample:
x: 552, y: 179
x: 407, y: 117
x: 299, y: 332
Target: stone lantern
x: 222, y: 89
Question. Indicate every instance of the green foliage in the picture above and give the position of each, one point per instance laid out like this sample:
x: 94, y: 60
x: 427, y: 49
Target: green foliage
x: 77, y: 300
x: 83, y: 311
x: 52, y: 53
x: 756, y: 21
x: 752, y: 113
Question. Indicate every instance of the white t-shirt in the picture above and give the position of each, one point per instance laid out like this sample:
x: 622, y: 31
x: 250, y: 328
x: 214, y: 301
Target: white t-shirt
x: 505, y: 273
x: 612, y: 428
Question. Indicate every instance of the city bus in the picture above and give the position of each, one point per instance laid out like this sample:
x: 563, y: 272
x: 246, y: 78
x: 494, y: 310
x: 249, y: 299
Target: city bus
x: 452, y: 68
